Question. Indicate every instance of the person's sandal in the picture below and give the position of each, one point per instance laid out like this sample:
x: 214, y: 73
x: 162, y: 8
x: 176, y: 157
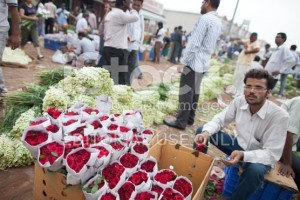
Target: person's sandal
x: 40, y: 57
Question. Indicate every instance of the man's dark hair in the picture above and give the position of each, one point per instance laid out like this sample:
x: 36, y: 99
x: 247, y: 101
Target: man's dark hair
x: 81, y: 34
x: 175, y: 29
x: 283, y: 36
x: 257, y: 58
x: 260, y: 74
x: 180, y: 28
x: 160, y: 24
x: 214, y: 3
x: 293, y: 47
x: 86, y: 14
x: 254, y: 34
x: 142, y: 1
x: 119, y: 3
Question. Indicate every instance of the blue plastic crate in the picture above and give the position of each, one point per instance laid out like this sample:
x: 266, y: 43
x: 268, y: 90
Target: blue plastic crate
x: 53, y: 45
x: 269, y: 191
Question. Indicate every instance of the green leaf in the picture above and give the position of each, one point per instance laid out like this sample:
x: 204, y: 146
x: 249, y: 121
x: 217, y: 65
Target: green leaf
x: 42, y: 156
x: 53, y: 153
x: 94, y: 189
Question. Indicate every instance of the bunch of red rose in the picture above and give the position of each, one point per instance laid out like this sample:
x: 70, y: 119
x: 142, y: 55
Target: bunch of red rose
x: 146, y: 195
x: 54, y: 113
x: 113, y: 174
x: 35, y: 138
x: 165, y: 177
x: 77, y: 160
x: 129, y: 160
x: 170, y: 194
x: 50, y: 152
x: 126, y: 190
x: 184, y: 186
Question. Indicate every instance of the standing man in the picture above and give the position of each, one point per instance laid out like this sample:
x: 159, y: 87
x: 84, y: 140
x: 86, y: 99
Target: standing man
x: 10, y: 6
x: 92, y: 20
x: 172, y: 38
x: 265, y: 55
x: 62, y: 15
x: 281, y: 58
x: 136, y: 38
x: 83, y: 25
x: 116, y: 39
x: 251, y: 47
x: 159, y: 40
x: 49, y: 23
x: 196, y: 60
x: 261, y: 128
x: 177, y: 45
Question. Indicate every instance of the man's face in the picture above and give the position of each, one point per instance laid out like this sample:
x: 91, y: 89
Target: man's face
x: 253, y: 38
x: 204, y: 6
x: 256, y: 91
x: 63, y: 6
x: 278, y: 40
x: 127, y: 4
x: 137, y: 5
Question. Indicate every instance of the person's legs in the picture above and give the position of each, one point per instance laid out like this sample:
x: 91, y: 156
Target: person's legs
x: 3, y: 39
x: 175, y: 52
x: 51, y: 25
x: 282, y: 83
x: 250, y: 180
x: 132, y: 62
x: 35, y: 41
x: 158, y: 52
x: 123, y: 60
x: 171, y: 50
x: 189, y: 87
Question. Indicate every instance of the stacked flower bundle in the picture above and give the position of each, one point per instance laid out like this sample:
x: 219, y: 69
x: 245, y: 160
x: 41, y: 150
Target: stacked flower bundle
x: 106, y: 153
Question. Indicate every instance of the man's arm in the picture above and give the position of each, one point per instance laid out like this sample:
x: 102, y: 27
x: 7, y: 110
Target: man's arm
x: 286, y: 168
x: 126, y: 18
x: 252, y: 51
x: 15, y: 21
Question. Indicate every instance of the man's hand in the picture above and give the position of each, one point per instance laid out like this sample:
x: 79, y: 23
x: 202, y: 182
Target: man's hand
x: 14, y: 41
x: 202, y: 137
x: 234, y: 158
x: 275, y: 73
x: 286, y: 170
x: 35, y: 18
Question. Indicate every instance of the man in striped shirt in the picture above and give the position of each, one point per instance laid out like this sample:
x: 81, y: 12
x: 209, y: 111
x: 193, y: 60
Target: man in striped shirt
x: 196, y: 59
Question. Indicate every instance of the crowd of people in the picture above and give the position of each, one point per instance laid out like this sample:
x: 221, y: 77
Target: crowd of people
x: 266, y: 133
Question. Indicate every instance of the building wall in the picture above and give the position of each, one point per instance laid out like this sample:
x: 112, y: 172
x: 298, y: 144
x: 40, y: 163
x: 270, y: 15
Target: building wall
x: 176, y: 18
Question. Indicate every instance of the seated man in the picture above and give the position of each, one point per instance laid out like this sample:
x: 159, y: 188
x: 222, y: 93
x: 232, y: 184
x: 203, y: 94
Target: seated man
x: 289, y: 158
x: 83, y: 25
x: 261, y: 131
x: 85, y: 49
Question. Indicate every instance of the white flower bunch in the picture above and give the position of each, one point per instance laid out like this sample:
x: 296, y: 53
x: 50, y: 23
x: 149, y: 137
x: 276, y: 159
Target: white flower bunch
x: 123, y: 94
x: 86, y: 100
x: 56, y: 98
x: 13, y: 153
x: 16, y: 56
x: 22, y: 123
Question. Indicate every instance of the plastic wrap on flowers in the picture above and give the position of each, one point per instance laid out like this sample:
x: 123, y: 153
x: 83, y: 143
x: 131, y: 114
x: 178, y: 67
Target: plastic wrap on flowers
x: 117, y: 119
x: 50, y: 155
x: 148, y: 134
x: 126, y: 133
x: 105, y: 120
x: 34, y: 137
x: 79, y: 165
x: 98, y: 127
x: 170, y: 194
x: 130, y: 162
x: 55, y: 131
x: 94, y: 188
x: 140, y: 150
x: 89, y: 112
x: 70, y: 124
x: 157, y: 189
x: 115, y: 175
x: 109, y: 195
x: 103, y: 104
x: 103, y: 156
x: 113, y: 128
x: 141, y: 180
x: 133, y: 119
x: 145, y: 194
x: 165, y: 178
x: 149, y: 165
x: 184, y: 186
x: 55, y: 115
x: 40, y: 121
x: 118, y: 148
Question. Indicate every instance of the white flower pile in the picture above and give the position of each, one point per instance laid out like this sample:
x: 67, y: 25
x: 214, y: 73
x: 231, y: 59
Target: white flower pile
x: 16, y: 56
x: 22, y: 123
x: 57, y: 98
x: 13, y: 153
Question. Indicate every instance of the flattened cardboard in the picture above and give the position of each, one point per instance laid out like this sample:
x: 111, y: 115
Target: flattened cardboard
x: 185, y: 162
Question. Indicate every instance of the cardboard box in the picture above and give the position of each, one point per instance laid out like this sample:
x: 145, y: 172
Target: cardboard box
x: 186, y: 162
x: 52, y: 185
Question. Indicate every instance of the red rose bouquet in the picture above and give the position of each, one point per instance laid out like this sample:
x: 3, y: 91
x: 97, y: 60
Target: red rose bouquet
x: 158, y: 190
x: 126, y: 133
x: 55, y: 131
x: 116, y: 119
x: 126, y: 191
x: 50, y: 155
x: 140, y: 150
x: 145, y: 195
x: 94, y: 187
x: 118, y: 148
x: 109, y: 195
x: 148, y: 134
x: 184, y: 186
x: 54, y: 114
x: 34, y: 137
x: 114, y: 175
x: 103, y: 157
x: 165, y: 178
x: 141, y: 180
x: 170, y: 194
x: 149, y: 165
x: 40, y: 121
x: 130, y: 162
x: 133, y: 119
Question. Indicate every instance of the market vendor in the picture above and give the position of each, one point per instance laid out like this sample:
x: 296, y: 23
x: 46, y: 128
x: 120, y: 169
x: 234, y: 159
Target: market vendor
x: 261, y: 132
x: 83, y: 25
x: 291, y: 163
x: 85, y: 49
